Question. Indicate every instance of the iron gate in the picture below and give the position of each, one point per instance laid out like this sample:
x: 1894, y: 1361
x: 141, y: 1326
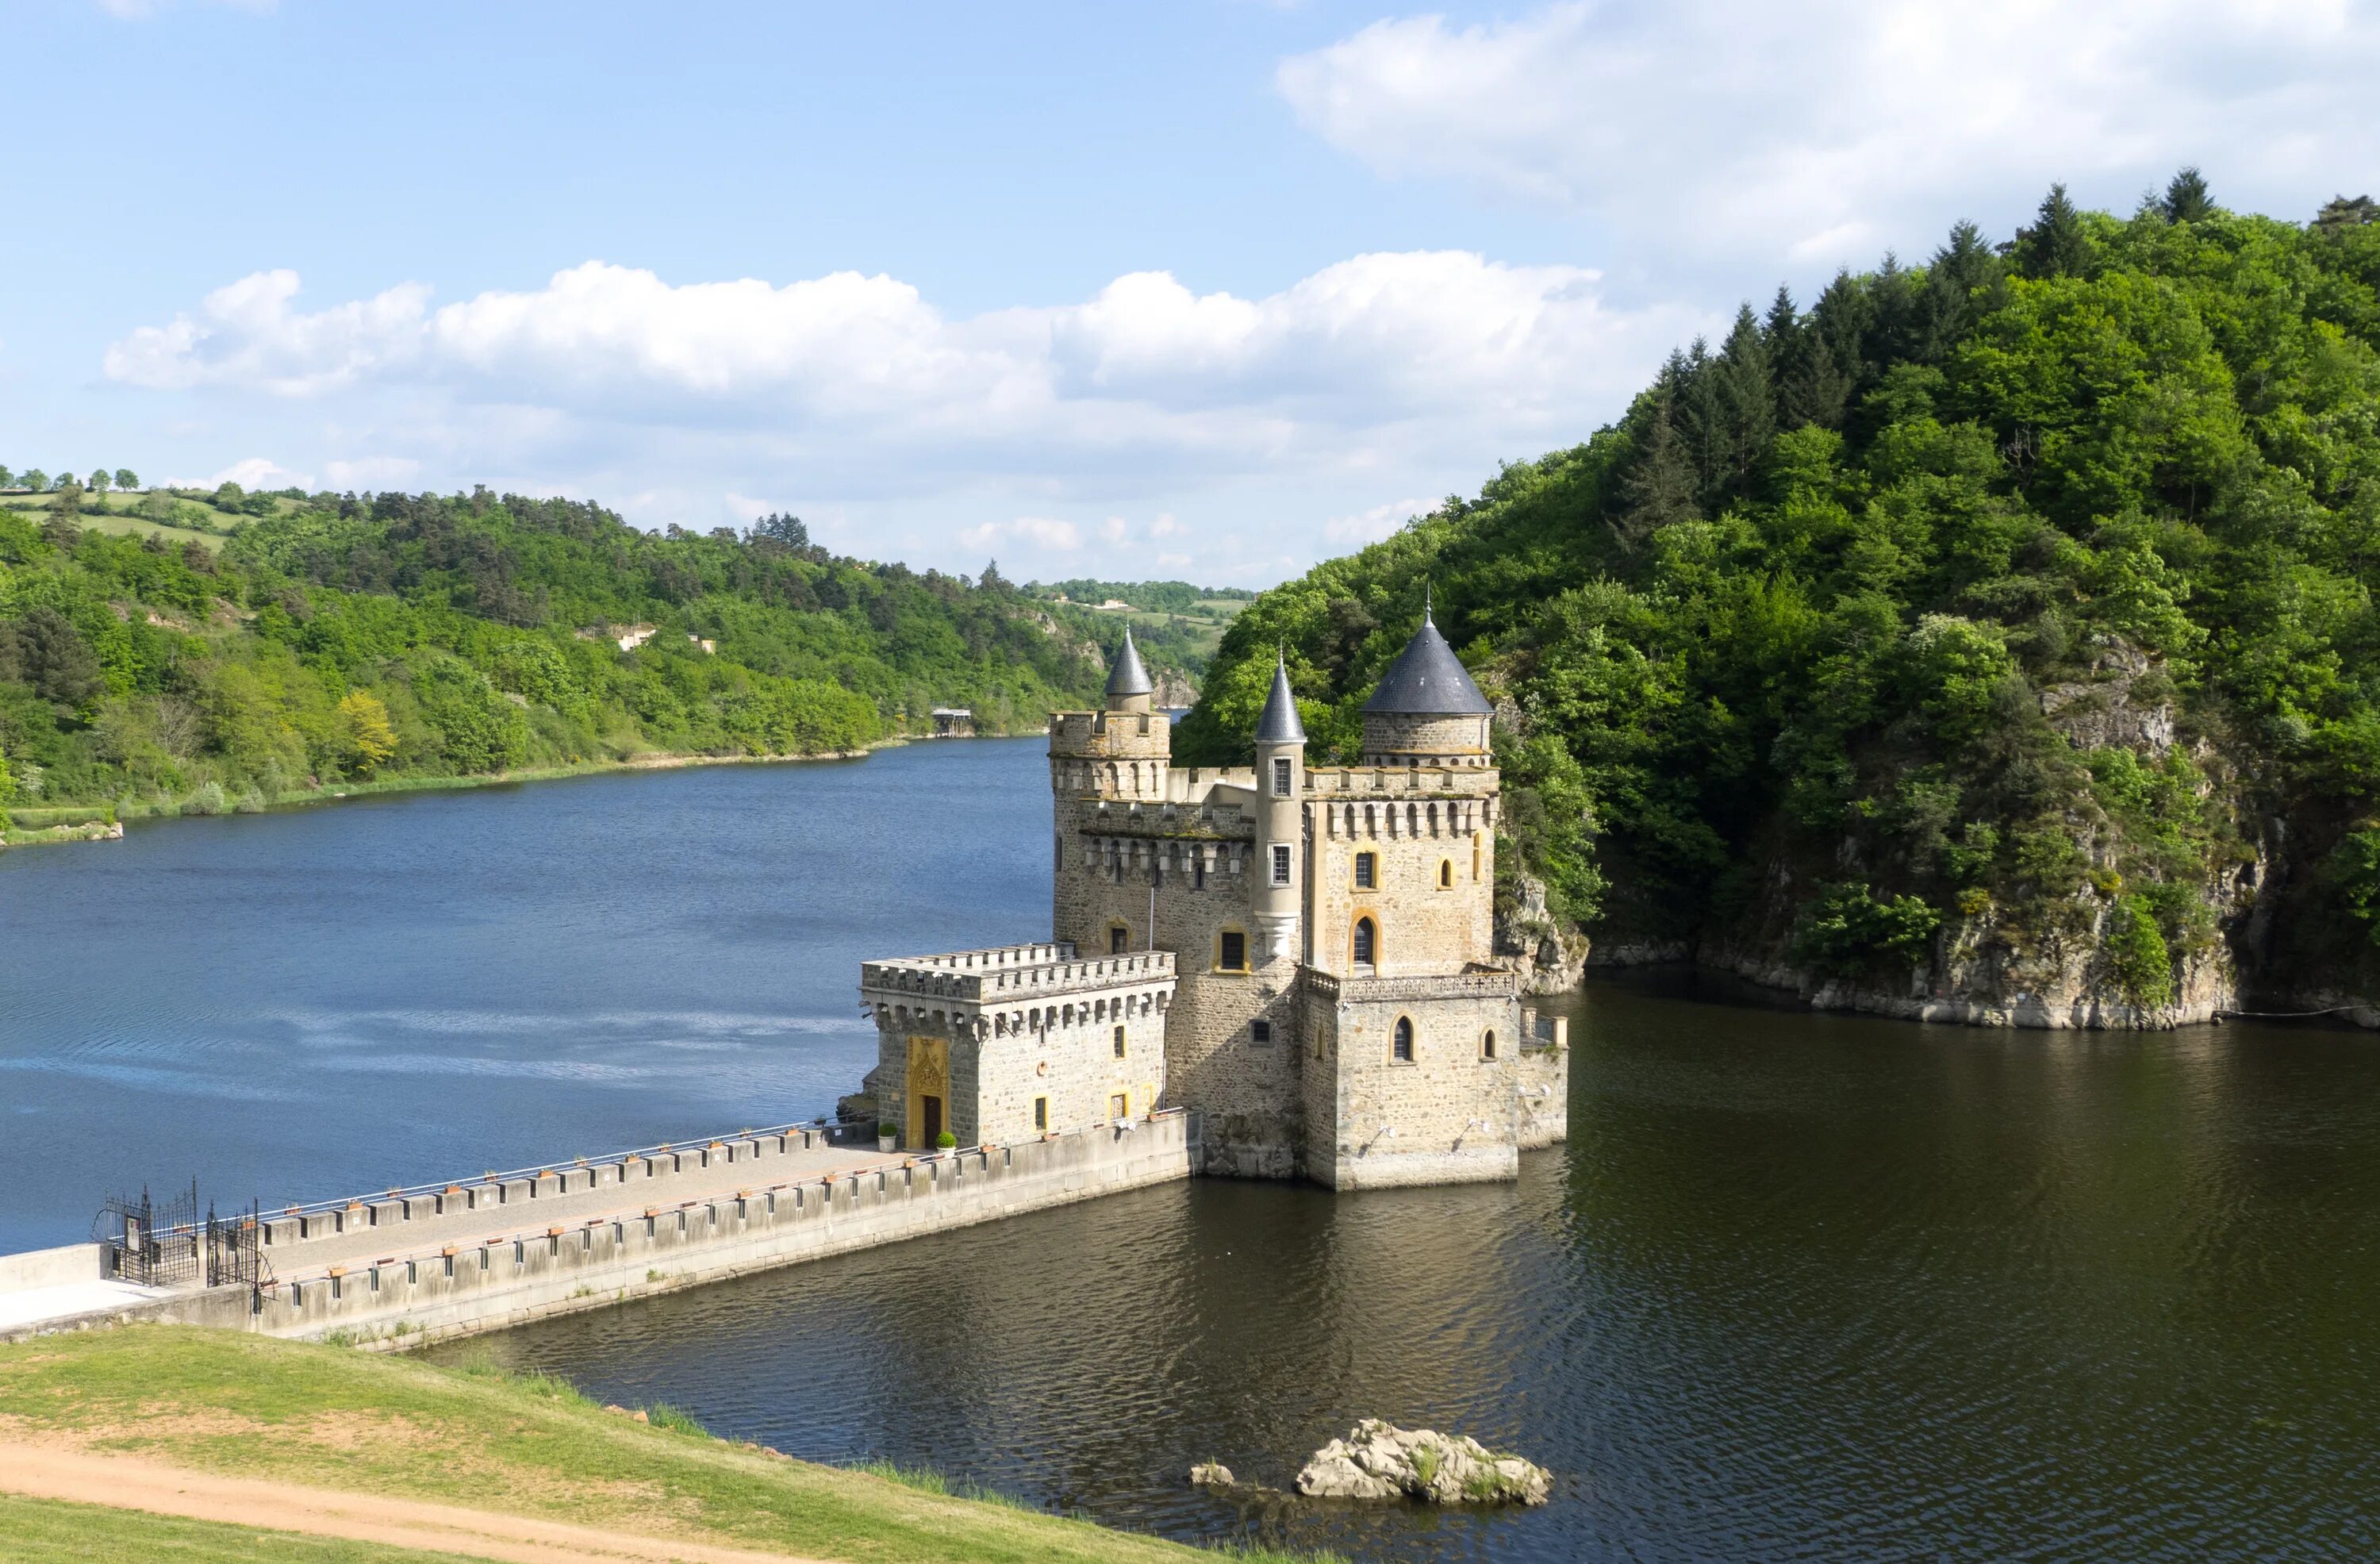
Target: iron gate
x: 164, y: 1243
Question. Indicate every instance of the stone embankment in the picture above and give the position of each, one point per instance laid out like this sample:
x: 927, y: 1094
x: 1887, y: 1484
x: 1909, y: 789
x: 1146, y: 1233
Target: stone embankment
x: 422, y: 1265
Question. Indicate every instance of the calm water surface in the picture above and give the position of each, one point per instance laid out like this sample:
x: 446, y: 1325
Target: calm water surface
x: 1799, y: 1288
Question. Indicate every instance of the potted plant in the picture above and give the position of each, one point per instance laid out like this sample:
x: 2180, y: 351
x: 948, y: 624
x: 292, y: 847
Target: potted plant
x: 888, y: 1136
x: 946, y: 1142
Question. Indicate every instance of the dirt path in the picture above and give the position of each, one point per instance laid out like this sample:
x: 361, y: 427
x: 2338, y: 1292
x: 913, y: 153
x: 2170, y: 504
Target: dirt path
x: 126, y: 1483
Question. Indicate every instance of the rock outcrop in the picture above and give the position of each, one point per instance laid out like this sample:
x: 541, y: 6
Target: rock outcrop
x: 1548, y: 957
x: 1211, y: 1474
x: 1379, y: 1460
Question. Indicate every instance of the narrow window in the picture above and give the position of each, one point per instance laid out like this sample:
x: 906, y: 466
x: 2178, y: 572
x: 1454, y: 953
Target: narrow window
x: 1367, y: 940
x: 1058, y: 853
x: 1366, y: 871
x: 1446, y: 873
x: 1487, y: 1044
x: 1260, y: 1033
x: 1234, y: 954
x: 1120, y: 1107
x: 1401, y: 1046
x: 1118, y: 1041
x: 1280, y: 776
x: 1475, y: 858
x: 1198, y: 872
x: 1119, y: 939
x: 1280, y: 864
x: 1040, y: 1113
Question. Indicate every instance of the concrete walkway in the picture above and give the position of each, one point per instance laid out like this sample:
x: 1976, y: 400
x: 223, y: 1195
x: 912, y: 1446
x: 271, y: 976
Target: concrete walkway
x: 428, y: 1232
x: 31, y: 1305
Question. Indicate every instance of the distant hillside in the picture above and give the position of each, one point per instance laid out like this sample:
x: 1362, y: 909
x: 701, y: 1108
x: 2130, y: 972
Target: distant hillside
x: 1993, y: 639
x: 185, y: 650
x: 1173, y: 622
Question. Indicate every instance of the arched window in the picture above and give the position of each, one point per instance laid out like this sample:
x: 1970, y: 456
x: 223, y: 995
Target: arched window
x: 1446, y: 873
x: 1400, y: 1046
x: 1487, y: 1044
x: 1367, y: 942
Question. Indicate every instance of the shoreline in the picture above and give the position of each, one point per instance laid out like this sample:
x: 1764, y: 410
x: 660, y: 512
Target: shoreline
x: 106, y: 824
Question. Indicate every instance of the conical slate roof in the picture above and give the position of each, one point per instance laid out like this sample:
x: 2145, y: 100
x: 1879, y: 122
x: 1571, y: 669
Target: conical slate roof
x: 1428, y: 680
x: 1278, y: 725
x: 1128, y: 677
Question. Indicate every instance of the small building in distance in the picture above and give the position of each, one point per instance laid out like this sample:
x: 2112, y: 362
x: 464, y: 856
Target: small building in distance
x: 953, y: 722
x: 1301, y: 957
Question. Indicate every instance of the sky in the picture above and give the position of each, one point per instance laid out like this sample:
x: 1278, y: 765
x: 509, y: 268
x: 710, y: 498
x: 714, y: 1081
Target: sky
x: 1210, y: 290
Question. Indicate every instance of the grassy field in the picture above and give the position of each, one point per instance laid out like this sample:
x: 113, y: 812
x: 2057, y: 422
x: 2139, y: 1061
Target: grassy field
x: 329, y: 1417
x: 118, y: 513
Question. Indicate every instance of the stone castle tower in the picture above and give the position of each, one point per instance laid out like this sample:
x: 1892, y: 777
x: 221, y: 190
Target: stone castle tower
x: 1338, y: 1013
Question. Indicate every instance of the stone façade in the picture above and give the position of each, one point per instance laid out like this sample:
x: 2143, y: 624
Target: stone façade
x: 1303, y: 957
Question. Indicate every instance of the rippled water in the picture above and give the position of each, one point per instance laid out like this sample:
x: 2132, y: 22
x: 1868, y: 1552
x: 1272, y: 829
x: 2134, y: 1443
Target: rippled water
x: 1799, y: 1286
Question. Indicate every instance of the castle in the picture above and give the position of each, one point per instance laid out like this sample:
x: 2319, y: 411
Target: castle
x: 1300, y: 956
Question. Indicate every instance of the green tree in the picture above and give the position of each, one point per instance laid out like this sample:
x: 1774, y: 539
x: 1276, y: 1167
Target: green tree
x: 34, y: 479
x: 2056, y: 246
x: 126, y: 479
x: 366, y: 740
x: 98, y: 481
x: 2186, y: 198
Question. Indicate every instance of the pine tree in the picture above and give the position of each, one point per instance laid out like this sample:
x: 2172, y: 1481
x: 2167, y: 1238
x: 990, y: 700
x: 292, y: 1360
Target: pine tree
x: 2056, y: 245
x: 1818, y: 389
x: 2186, y: 200
x: 1659, y: 485
x: 2337, y: 214
x: 1964, y: 264
x: 1744, y: 386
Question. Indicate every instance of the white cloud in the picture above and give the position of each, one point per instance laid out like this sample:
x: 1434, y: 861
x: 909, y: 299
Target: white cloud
x: 1043, y: 531
x: 1825, y: 131
x: 1371, y: 526
x: 372, y: 472
x: 1173, y: 562
x: 855, y: 395
x: 255, y: 472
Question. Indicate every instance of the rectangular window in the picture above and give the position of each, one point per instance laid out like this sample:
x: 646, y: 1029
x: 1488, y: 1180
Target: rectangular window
x: 1040, y: 1113
x: 1280, y: 864
x: 1118, y: 1041
x: 1280, y: 777
x: 1198, y: 873
x: 1260, y: 1033
x: 1119, y: 1107
x: 1367, y: 873
x: 1118, y: 939
x: 1234, y: 952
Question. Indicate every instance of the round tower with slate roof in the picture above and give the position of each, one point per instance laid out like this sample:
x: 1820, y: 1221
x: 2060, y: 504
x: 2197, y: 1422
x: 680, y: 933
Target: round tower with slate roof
x: 1427, y: 711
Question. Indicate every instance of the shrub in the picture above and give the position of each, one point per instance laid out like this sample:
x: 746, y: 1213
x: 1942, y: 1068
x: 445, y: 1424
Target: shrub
x: 209, y: 800
x: 1847, y: 929
x: 2136, y: 953
x: 887, y: 1127
x: 945, y: 1141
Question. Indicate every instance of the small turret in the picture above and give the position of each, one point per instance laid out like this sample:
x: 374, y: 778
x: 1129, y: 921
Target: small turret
x: 1280, y: 819
x: 1128, y: 685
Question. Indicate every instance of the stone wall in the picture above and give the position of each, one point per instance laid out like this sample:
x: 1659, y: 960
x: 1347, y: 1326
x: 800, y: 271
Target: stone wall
x: 1450, y: 1114
x: 1415, y: 830
x: 538, y: 1272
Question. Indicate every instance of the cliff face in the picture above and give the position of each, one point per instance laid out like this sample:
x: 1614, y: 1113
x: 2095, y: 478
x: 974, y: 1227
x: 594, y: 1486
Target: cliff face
x: 2061, y: 954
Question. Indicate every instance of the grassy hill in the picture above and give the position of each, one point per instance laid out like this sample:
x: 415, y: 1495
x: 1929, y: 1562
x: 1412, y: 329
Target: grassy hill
x: 177, y: 651
x: 330, y: 1418
x: 1994, y: 627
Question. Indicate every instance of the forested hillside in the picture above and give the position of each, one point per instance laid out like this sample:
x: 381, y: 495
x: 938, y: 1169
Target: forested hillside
x: 1993, y: 638
x: 344, y: 638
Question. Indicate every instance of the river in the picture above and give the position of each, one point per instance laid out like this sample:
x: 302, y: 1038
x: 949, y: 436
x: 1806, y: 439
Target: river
x: 1800, y: 1286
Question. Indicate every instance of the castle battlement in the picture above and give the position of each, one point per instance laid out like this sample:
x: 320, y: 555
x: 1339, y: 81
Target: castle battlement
x: 1444, y: 780
x: 1011, y: 975
x: 1215, y: 822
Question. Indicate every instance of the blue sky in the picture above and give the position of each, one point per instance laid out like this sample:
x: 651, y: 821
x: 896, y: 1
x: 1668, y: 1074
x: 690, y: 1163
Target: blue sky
x: 1211, y: 289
